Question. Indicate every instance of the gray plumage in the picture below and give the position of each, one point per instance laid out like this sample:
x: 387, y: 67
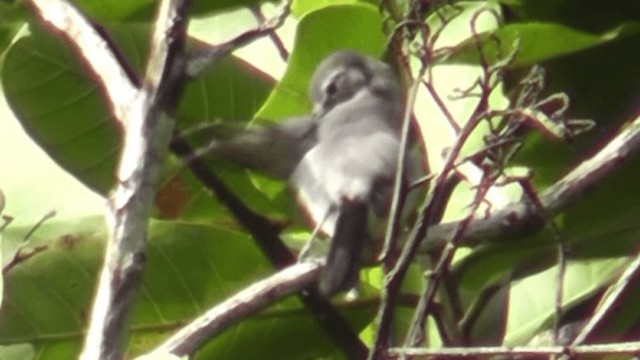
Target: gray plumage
x: 340, y: 161
x: 350, y: 171
x: 274, y: 149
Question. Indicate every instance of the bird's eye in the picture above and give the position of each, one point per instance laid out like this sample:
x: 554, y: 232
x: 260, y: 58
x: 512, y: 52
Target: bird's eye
x: 331, y: 89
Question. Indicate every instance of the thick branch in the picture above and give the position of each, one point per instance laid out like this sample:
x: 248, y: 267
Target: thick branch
x: 96, y: 50
x: 147, y: 131
x: 248, y: 301
x: 525, y: 352
x: 523, y: 217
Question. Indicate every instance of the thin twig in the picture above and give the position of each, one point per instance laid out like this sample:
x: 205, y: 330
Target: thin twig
x: 51, y: 214
x: 561, y: 258
x: 430, y: 214
x: 273, y: 35
x: 397, y: 201
x: 487, y: 84
x: 609, y: 301
x: 441, y: 105
x: 388, y: 255
x: 521, y: 216
x: 147, y: 130
x: 198, y: 63
x: 7, y: 220
x: 21, y: 255
x: 415, y: 335
x: 429, y: 49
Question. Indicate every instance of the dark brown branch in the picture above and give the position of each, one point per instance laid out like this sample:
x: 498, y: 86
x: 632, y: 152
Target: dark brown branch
x: 390, y: 243
x: 430, y: 213
x: 265, y: 232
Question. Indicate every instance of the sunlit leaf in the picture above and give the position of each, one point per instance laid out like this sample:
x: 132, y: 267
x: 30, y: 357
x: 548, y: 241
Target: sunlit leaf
x: 535, y: 42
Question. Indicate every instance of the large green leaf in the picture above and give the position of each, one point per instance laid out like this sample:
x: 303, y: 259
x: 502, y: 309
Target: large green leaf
x: 312, y: 43
x: 536, y: 42
x: 189, y: 269
x: 589, y: 15
x: 62, y: 107
x: 12, y: 18
x: 532, y: 302
x: 600, y: 231
x: 118, y: 10
x: 102, y: 11
x: 320, y: 33
x: 301, y: 7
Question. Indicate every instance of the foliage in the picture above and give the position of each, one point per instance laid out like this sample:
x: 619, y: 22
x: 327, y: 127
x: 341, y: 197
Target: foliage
x: 198, y: 255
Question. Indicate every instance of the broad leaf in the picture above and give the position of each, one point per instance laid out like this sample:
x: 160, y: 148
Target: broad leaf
x: 535, y: 42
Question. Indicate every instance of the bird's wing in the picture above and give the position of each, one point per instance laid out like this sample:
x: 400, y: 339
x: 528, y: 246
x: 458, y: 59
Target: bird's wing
x: 274, y: 149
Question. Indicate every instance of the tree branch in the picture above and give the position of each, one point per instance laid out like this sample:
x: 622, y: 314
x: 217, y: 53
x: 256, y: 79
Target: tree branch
x: 201, y: 61
x: 102, y: 59
x: 147, y: 129
x: 528, y: 352
x: 524, y: 217
x: 273, y: 36
x: 266, y: 235
x: 248, y: 301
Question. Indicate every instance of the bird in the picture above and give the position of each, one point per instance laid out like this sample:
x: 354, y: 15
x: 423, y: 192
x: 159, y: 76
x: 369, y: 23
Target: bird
x: 348, y: 174
x: 340, y: 160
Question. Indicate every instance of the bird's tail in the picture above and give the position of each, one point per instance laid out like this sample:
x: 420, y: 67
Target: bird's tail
x: 343, y: 261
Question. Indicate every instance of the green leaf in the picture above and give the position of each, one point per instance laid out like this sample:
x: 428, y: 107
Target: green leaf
x: 18, y: 352
x: 589, y: 15
x: 245, y: 89
x: 62, y: 107
x: 113, y: 10
x: 320, y: 33
x: 302, y: 7
x: 203, y: 7
x: 532, y: 301
x: 535, y: 42
x: 189, y: 269
x: 12, y: 19
x: 600, y: 231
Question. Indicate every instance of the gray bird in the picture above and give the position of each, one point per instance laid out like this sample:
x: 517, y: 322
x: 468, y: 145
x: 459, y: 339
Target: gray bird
x: 340, y: 161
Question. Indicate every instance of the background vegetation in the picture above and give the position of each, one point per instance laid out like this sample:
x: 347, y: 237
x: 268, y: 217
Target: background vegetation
x: 60, y: 148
